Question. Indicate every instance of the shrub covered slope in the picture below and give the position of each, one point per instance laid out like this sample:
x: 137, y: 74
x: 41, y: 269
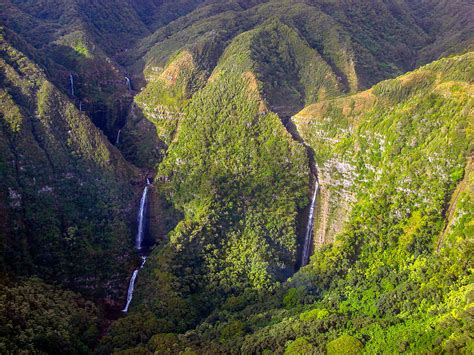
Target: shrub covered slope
x: 398, y: 275
x: 231, y: 106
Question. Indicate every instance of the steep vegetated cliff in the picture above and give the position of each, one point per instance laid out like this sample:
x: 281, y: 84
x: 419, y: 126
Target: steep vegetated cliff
x: 355, y: 141
x: 234, y: 106
x: 292, y: 47
x: 396, y: 274
x: 66, y: 190
x: 65, y: 212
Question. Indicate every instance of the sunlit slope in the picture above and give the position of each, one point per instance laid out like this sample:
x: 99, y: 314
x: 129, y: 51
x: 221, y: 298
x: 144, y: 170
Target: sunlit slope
x: 413, y: 125
x: 396, y: 179
x: 65, y: 191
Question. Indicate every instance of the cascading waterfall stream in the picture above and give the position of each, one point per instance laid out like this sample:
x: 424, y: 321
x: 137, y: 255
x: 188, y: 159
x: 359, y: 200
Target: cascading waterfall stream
x: 138, y: 243
x: 141, y: 217
x: 131, y: 285
x: 117, y: 141
x: 309, y: 228
x: 71, y: 83
x: 131, y: 288
x: 129, y: 83
x: 308, y: 240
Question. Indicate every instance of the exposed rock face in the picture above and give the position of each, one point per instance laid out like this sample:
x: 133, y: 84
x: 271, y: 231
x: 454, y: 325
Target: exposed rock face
x: 335, y: 201
x: 337, y: 172
x: 363, y: 140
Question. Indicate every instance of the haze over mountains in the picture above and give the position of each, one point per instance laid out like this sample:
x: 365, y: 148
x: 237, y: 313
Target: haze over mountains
x: 235, y: 119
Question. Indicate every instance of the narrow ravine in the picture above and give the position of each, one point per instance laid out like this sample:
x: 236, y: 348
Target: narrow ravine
x: 141, y: 220
x: 308, y: 240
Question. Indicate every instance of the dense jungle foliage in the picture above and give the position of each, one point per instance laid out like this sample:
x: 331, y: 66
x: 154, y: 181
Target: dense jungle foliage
x: 399, y: 276
x: 230, y: 108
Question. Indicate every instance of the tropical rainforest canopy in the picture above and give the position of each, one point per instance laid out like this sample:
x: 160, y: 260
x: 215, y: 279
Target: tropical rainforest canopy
x: 236, y: 177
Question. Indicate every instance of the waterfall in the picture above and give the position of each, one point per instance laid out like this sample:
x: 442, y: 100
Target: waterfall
x: 309, y: 228
x: 129, y: 83
x: 80, y: 106
x: 71, y: 83
x: 141, y: 217
x: 143, y: 262
x: 117, y: 141
x: 138, y: 243
x: 131, y: 287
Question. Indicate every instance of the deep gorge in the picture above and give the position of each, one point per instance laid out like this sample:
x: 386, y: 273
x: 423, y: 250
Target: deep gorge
x: 255, y: 177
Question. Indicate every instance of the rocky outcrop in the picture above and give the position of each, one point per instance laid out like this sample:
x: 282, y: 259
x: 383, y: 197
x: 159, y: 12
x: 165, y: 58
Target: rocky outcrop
x: 362, y: 141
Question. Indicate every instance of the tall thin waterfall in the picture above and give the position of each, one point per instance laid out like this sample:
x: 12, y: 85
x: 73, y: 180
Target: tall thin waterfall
x: 141, y: 217
x: 309, y: 228
x: 138, y: 244
x: 129, y: 83
x: 71, y: 83
x: 131, y: 288
x: 80, y: 106
x: 117, y: 141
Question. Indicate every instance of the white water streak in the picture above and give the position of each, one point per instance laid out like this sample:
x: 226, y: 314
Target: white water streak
x: 138, y: 243
x: 129, y: 84
x: 117, y: 141
x: 143, y: 262
x: 71, y: 83
x: 141, y: 218
x: 131, y: 287
x: 309, y: 228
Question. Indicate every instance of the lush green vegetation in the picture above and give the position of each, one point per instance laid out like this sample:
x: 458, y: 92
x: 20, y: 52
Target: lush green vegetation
x: 36, y: 317
x: 398, y: 277
x: 299, y: 51
x: 240, y: 181
x: 64, y: 189
x: 392, y: 265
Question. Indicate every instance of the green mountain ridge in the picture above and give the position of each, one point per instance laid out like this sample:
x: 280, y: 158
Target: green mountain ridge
x: 383, y: 281
x: 231, y: 110
x: 56, y: 169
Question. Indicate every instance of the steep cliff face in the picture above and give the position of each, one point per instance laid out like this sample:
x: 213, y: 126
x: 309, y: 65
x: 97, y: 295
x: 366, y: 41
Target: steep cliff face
x: 162, y: 102
x: 200, y: 93
x: 300, y: 52
x: 358, y: 140
x: 395, y: 210
x: 458, y: 212
x: 65, y: 190
x: 323, y: 126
